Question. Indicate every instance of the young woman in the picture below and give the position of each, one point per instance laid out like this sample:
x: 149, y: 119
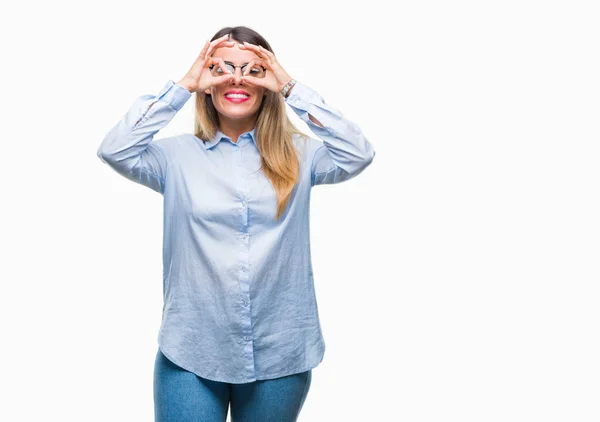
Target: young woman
x: 240, y: 322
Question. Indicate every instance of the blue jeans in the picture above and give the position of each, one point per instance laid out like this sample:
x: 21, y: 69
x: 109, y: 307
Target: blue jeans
x: 182, y: 396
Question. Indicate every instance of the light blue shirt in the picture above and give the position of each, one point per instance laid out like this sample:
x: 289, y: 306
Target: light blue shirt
x: 238, y: 287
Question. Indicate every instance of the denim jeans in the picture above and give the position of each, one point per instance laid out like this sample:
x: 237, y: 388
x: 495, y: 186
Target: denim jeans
x: 182, y: 396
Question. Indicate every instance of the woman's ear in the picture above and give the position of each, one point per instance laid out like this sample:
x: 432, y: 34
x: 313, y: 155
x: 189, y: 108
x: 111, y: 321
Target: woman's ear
x: 207, y: 91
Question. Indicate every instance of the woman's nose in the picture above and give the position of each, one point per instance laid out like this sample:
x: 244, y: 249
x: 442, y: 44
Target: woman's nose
x: 237, y: 75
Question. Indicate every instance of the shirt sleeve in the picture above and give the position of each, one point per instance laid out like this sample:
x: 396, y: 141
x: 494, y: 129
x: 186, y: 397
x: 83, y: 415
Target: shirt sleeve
x: 129, y: 147
x: 345, y: 152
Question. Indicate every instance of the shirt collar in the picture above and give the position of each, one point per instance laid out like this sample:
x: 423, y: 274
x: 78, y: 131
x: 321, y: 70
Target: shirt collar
x: 220, y: 136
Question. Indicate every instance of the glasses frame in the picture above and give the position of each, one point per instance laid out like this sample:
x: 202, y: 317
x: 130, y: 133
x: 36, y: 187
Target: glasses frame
x: 242, y: 66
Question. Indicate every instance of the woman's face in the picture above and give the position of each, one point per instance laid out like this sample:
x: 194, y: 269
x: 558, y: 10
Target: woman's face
x: 234, y: 108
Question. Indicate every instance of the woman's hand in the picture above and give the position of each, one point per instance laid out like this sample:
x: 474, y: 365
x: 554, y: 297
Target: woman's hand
x: 199, y: 77
x: 275, y: 79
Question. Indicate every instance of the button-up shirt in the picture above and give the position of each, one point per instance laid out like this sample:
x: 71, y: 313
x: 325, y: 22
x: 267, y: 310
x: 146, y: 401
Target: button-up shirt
x: 238, y: 286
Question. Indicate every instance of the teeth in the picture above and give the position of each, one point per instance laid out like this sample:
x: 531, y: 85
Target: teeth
x: 236, y: 96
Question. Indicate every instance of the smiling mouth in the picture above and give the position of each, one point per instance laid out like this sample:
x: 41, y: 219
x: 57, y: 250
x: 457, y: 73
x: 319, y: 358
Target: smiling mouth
x: 236, y: 98
x: 236, y: 95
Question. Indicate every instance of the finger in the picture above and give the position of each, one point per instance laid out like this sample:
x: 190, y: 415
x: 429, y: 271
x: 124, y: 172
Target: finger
x: 252, y: 81
x: 216, y: 44
x: 262, y: 60
x: 223, y: 44
x: 252, y: 47
x: 252, y: 63
x: 207, y: 47
x: 213, y: 47
x: 249, y: 66
x: 218, y: 80
x: 258, y: 49
x: 223, y: 39
x: 203, y: 51
x: 221, y: 63
x: 269, y: 54
x: 206, y: 44
x: 218, y: 61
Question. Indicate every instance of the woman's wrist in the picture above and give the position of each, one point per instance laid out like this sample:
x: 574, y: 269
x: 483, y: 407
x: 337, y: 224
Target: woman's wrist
x: 184, y: 83
x: 290, y: 91
x: 287, y: 88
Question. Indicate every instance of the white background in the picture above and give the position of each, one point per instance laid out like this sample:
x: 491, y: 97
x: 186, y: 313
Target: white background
x: 457, y: 277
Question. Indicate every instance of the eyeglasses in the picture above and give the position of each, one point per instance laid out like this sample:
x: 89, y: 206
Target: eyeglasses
x: 256, y: 71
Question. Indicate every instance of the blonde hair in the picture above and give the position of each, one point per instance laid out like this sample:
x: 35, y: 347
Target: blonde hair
x: 274, y: 130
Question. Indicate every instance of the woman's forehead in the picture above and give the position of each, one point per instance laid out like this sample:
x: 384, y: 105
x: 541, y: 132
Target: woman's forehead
x: 234, y: 55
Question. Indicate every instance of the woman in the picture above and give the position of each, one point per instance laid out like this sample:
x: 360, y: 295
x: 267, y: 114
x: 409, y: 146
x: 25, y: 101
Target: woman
x: 240, y: 321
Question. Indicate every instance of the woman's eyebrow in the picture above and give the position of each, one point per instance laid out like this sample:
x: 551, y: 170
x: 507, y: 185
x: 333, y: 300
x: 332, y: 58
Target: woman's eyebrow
x: 226, y: 62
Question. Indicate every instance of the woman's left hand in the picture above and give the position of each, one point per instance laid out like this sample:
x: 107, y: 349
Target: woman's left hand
x: 275, y: 79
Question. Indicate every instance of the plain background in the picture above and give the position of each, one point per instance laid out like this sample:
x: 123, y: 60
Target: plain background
x: 457, y: 277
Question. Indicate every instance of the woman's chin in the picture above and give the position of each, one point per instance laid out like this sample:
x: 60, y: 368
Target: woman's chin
x: 238, y: 112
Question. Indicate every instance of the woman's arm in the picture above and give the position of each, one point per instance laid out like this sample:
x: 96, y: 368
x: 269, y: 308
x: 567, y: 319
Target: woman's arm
x: 345, y: 152
x: 128, y: 147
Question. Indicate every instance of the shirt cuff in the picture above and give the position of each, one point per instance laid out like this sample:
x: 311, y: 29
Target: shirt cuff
x: 301, y: 96
x: 175, y: 95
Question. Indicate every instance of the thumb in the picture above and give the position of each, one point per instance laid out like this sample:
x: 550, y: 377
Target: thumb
x: 251, y: 80
x: 223, y: 79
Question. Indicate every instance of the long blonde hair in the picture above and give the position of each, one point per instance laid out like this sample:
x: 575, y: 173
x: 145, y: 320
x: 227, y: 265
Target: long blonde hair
x: 274, y: 130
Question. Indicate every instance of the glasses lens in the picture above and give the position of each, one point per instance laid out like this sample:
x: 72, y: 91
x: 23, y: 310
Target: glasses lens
x: 217, y: 71
x: 256, y: 71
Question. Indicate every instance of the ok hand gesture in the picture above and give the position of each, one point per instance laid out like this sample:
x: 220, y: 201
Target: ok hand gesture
x: 199, y: 77
x: 275, y: 79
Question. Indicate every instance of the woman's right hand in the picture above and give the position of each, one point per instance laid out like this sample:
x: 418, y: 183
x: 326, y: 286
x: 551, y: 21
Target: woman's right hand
x: 199, y: 77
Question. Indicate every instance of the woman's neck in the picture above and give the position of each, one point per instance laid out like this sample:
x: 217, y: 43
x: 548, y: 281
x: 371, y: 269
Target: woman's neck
x: 234, y: 128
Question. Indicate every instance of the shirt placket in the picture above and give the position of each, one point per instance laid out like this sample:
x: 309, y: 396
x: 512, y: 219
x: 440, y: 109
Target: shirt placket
x: 244, y: 264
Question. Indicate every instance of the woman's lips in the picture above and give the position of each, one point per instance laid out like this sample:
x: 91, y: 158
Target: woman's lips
x: 237, y: 100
